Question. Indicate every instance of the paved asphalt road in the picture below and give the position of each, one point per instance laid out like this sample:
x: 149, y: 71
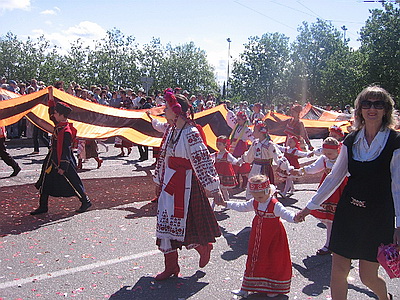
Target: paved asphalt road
x: 109, y: 252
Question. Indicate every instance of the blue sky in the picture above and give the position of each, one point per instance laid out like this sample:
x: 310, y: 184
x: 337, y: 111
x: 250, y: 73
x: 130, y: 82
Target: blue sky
x: 208, y: 23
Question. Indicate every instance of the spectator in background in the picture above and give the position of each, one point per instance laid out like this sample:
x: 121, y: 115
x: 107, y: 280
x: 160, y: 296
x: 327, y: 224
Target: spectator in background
x: 103, y: 98
x: 12, y: 86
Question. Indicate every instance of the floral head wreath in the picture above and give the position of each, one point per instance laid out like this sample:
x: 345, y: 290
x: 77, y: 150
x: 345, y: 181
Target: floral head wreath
x: 337, y: 130
x: 259, y: 186
x: 227, y: 142
x: 261, y: 126
x: 296, y: 140
x: 169, y: 96
x: 241, y: 115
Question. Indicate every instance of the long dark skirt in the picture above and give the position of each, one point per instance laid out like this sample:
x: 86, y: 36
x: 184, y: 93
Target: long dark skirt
x: 201, y: 225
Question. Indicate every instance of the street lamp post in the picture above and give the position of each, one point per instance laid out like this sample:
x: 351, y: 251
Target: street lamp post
x: 227, y: 73
x: 344, y: 28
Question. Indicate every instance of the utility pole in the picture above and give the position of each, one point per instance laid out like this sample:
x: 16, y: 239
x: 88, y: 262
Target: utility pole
x: 227, y: 73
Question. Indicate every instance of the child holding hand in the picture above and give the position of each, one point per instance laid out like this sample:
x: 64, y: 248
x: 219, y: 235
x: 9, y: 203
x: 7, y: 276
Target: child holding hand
x: 268, y: 265
x: 330, y: 152
x: 223, y: 161
x: 292, y: 152
x: 262, y: 153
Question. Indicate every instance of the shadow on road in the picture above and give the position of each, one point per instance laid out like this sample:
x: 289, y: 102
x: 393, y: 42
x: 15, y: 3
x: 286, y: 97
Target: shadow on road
x: 238, y: 243
x: 17, y: 202
x: 170, y: 289
x: 317, y: 269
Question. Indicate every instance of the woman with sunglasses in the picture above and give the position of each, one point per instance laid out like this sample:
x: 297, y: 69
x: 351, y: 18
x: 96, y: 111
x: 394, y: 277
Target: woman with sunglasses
x: 368, y: 212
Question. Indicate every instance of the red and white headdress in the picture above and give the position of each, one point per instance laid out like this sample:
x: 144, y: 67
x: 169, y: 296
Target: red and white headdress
x: 259, y: 186
x: 261, y: 126
x: 241, y: 115
x: 169, y: 96
x: 337, y: 130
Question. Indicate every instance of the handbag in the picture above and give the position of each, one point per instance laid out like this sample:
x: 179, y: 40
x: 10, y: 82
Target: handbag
x: 389, y: 258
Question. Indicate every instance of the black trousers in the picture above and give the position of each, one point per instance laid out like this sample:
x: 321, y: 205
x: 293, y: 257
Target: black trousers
x: 5, y: 155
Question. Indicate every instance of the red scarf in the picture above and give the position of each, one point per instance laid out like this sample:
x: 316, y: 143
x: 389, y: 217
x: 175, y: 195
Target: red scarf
x: 63, y: 128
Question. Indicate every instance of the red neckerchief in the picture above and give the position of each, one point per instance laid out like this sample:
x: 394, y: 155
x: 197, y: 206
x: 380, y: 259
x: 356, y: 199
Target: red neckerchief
x: 64, y: 127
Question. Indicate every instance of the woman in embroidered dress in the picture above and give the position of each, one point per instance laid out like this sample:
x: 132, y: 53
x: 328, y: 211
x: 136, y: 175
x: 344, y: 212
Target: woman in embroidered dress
x: 268, y: 265
x: 261, y: 154
x: 294, y: 126
x: 184, y: 171
x: 368, y: 212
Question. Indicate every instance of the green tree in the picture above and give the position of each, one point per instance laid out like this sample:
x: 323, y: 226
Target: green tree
x: 114, y: 61
x: 380, y: 42
x: 313, y: 48
x: 186, y: 66
x: 10, y: 53
x: 259, y: 73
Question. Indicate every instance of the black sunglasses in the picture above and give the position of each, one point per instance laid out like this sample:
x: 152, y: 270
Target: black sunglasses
x: 367, y: 104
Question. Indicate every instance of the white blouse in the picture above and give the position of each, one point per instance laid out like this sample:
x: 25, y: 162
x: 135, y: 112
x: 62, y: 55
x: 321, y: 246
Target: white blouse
x: 361, y: 152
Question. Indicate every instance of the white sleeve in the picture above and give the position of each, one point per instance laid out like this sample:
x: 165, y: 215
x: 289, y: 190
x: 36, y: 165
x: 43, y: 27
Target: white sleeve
x: 395, y: 171
x: 300, y: 153
x: 249, y: 135
x: 231, y: 119
x: 248, y: 156
x: 241, y: 206
x: 159, y: 126
x: 233, y: 160
x: 318, y: 151
x: 316, y: 167
x: 282, y: 212
x: 332, y: 181
x: 279, y: 158
x: 201, y: 161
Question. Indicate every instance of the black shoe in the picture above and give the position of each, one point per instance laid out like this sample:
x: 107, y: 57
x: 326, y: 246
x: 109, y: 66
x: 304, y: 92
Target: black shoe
x: 84, y: 207
x: 39, y: 211
x: 17, y: 169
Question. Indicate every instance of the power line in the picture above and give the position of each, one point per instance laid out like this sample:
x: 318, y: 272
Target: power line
x: 264, y: 15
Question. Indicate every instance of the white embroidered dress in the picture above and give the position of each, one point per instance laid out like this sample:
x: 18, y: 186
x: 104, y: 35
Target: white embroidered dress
x: 187, y: 144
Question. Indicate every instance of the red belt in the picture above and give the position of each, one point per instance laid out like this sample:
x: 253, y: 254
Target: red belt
x: 176, y: 185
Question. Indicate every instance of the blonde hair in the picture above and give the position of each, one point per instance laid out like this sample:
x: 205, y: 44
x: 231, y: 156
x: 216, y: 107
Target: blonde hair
x: 258, y: 178
x: 377, y: 93
x: 331, y: 141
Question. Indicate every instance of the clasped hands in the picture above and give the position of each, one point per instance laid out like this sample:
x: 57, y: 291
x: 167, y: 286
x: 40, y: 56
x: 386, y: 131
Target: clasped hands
x: 301, y: 215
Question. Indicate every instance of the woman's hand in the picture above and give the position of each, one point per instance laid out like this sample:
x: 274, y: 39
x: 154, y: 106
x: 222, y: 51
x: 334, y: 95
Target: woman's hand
x: 218, y: 198
x: 301, y: 215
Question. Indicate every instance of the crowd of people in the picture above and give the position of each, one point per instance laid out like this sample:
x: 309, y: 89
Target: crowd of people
x: 360, y: 209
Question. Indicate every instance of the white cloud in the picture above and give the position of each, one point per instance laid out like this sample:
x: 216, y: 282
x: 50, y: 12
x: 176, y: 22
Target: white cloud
x: 48, y: 12
x: 14, y: 4
x: 53, y: 11
x: 86, y: 31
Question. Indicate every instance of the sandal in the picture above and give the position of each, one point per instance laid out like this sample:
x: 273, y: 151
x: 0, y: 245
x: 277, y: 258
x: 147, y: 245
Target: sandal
x: 324, y: 251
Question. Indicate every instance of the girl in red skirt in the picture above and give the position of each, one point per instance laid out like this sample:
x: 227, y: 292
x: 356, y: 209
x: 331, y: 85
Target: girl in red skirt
x: 330, y: 152
x: 292, y: 152
x: 268, y: 265
x: 223, y: 161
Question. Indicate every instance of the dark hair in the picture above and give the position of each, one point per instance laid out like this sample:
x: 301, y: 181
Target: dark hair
x: 377, y: 93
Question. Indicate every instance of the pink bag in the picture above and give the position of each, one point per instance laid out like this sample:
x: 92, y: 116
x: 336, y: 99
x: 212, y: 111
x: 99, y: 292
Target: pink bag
x: 389, y: 258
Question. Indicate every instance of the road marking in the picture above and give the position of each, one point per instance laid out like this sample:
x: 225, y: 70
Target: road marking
x: 64, y: 272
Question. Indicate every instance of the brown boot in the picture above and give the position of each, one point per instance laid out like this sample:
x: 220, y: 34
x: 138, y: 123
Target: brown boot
x: 204, y: 251
x: 171, y: 266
